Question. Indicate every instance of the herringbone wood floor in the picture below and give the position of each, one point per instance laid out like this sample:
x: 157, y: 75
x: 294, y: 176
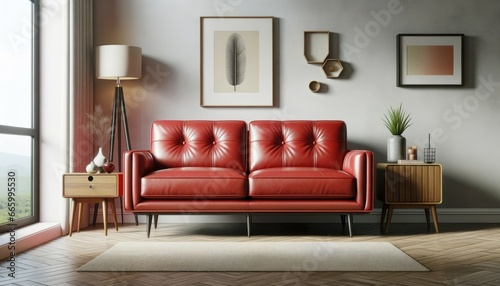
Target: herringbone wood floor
x: 461, y: 254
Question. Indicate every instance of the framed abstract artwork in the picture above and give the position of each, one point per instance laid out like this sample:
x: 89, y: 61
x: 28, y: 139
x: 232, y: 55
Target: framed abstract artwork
x: 236, y: 61
x: 430, y: 60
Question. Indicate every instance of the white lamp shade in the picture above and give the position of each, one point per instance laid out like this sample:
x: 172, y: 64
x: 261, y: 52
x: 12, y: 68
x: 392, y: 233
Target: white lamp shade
x: 118, y: 62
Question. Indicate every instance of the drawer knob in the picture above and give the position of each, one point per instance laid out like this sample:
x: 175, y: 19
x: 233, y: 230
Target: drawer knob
x: 91, y: 186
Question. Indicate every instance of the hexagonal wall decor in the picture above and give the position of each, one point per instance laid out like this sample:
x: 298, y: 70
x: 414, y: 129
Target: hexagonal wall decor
x: 316, y: 46
x: 332, y: 68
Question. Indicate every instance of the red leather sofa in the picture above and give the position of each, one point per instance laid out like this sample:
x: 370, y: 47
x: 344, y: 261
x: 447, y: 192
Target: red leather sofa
x: 265, y: 166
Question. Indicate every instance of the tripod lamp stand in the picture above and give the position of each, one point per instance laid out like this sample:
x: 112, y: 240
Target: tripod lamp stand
x: 118, y: 62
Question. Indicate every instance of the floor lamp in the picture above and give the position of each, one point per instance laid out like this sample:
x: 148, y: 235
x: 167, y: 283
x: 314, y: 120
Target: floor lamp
x: 118, y: 62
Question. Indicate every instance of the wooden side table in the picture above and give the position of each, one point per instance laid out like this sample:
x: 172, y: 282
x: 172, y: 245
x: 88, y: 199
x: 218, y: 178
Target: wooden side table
x: 92, y: 188
x: 409, y: 186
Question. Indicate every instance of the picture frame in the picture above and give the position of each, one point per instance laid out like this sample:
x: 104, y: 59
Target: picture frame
x: 236, y: 61
x: 430, y: 60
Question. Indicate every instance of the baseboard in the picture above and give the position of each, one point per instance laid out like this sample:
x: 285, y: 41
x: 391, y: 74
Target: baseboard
x: 27, y: 237
x: 445, y: 215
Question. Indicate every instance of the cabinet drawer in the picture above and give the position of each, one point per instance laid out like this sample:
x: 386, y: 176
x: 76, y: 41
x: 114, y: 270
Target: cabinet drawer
x: 92, y: 185
x: 413, y: 184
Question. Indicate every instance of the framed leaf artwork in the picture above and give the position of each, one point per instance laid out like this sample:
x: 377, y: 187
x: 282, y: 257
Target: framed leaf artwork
x: 236, y: 61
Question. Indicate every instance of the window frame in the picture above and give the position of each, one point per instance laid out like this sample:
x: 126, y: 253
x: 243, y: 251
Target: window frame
x: 34, y: 131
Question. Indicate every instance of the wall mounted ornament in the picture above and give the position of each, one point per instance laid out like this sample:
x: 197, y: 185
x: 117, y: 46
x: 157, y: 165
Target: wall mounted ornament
x: 317, y: 51
x: 316, y: 46
x: 236, y: 61
x: 332, y: 68
x: 314, y: 86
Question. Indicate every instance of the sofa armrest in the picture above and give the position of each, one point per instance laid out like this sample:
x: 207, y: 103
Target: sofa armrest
x: 359, y: 163
x: 136, y: 164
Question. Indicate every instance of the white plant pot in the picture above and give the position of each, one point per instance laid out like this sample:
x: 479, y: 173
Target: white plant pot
x: 396, y: 148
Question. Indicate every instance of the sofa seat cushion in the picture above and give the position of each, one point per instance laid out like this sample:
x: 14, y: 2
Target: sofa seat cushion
x: 194, y: 182
x: 301, y: 183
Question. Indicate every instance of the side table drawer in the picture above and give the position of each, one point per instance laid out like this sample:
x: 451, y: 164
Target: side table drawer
x: 413, y: 184
x: 92, y: 185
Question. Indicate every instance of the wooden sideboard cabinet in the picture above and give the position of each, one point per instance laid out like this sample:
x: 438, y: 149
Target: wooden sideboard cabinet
x: 409, y: 186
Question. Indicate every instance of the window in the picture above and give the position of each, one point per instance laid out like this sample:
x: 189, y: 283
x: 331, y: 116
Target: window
x: 19, y: 127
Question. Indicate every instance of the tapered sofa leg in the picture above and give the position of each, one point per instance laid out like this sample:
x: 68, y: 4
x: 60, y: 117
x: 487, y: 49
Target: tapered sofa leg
x: 249, y: 222
x: 349, y: 223
x: 156, y: 221
x: 342, y: 218
x: 150, y: 219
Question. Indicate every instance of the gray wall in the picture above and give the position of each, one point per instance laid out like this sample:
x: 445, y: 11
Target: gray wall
x: 463, y: 121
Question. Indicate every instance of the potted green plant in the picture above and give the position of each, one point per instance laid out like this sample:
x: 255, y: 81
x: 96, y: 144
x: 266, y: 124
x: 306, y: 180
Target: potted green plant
x: 397, y: 121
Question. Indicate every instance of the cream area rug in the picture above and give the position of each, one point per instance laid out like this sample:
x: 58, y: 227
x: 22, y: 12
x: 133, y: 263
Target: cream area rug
x: 253, y: 256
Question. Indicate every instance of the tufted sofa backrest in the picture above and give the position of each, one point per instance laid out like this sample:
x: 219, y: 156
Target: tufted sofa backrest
x: 199, y: 143
x: 297, y: 143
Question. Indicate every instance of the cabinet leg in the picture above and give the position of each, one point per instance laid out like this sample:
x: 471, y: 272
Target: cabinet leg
x: 80, y: 207
x: 389, y: 217
x: 382, y: 216
x: 427, y: 218
x: 73, y: 211
x: 105, y: 216
x: 435, y: 218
